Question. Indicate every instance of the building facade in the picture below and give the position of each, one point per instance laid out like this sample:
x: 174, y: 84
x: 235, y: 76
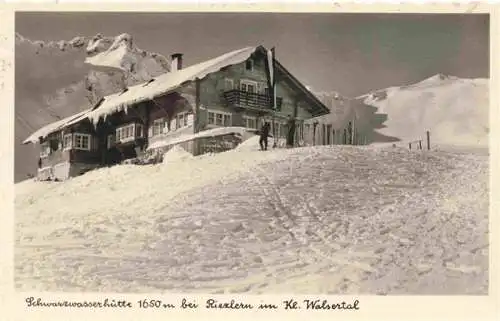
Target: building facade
x: 228, y: 91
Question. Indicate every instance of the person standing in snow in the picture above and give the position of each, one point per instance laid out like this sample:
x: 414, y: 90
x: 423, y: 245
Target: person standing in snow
x: 291, y: 132
x: 264, y: 134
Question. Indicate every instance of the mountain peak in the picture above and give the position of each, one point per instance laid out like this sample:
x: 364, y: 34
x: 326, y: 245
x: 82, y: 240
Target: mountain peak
x: 119, y: 53
x: 438, y: 78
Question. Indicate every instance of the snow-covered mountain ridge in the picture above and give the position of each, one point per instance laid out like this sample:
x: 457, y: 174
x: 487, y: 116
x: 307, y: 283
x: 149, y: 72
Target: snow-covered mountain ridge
x: 455, y: 110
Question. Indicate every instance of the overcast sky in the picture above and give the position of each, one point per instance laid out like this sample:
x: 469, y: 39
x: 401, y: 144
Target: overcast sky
x: 348, y: 53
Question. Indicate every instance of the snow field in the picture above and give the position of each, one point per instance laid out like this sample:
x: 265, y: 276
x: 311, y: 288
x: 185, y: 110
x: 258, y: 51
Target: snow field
x: 335, y: 219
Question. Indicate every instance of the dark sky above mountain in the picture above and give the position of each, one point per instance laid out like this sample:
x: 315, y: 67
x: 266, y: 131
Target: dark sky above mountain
x: 349, y: 53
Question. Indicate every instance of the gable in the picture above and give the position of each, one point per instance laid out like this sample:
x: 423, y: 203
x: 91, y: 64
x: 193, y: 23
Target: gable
x: 313, y: 105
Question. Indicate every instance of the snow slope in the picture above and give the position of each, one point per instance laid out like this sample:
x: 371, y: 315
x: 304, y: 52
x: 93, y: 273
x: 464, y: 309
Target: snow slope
x: 54, y: 80
x: 455, y: 110
x: 333, y: 219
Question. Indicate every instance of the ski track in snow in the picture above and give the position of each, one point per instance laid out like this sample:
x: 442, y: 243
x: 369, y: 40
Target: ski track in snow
x: 310, y: 220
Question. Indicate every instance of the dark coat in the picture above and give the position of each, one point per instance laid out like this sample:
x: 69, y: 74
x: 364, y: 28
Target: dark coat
x: 291, y: 132
x: 264, y: 132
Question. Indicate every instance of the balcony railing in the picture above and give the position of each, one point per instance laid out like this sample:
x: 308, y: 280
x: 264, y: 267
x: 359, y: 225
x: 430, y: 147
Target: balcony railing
x: 245, y: 99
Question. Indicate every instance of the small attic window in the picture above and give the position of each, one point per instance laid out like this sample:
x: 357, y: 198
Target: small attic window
x: 249, y: 65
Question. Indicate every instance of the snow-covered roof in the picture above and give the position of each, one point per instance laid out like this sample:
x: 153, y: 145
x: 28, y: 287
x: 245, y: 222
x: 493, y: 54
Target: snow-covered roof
x: 165, y: 83
x: 52, y: 127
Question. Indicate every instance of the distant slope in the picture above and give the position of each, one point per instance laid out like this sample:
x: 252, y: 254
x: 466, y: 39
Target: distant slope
x: 55, y: 80
x: 455, y: 110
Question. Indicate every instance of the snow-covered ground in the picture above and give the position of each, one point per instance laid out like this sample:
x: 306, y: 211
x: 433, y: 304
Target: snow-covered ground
x: 331, y: 219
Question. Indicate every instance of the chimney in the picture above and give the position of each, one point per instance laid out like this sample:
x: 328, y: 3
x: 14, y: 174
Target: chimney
x: 176, y: 61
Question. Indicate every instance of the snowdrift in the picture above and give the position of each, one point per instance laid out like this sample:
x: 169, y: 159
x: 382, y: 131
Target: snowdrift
x: 176, y: 154
x: 250, y: 144
x: 330, y: 220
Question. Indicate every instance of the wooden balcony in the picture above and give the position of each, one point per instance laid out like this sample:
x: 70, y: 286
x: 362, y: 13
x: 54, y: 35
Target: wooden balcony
x: 243, y: 99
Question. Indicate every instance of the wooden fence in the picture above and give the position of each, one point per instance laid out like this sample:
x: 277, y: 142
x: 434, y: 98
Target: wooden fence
x: 418, y: 143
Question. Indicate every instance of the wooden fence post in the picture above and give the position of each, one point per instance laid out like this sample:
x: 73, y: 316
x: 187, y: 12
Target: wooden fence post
x: 409, y: 145
x: 428, y: 140
x: 420, y: 144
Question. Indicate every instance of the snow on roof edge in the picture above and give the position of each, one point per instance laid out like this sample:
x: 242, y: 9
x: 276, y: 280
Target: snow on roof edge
x: 52, y: 127
x: 220, y: 131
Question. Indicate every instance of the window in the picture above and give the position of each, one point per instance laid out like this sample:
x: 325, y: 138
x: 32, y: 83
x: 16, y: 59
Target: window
x: 250, y: 122
x: 248, y: 86
x: 249, y: 65
x: 219, y: 118
x: 139, y: 130
x: 228, y: 84
x: 77, y: 141
x: 159, y: 126
x: 45, y: 150
x: 211, y: 118
x: 81, y: 141
x: 54, y: 144
x: 125, y: 133
x: 183, y: 119
x: 68, y: 141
